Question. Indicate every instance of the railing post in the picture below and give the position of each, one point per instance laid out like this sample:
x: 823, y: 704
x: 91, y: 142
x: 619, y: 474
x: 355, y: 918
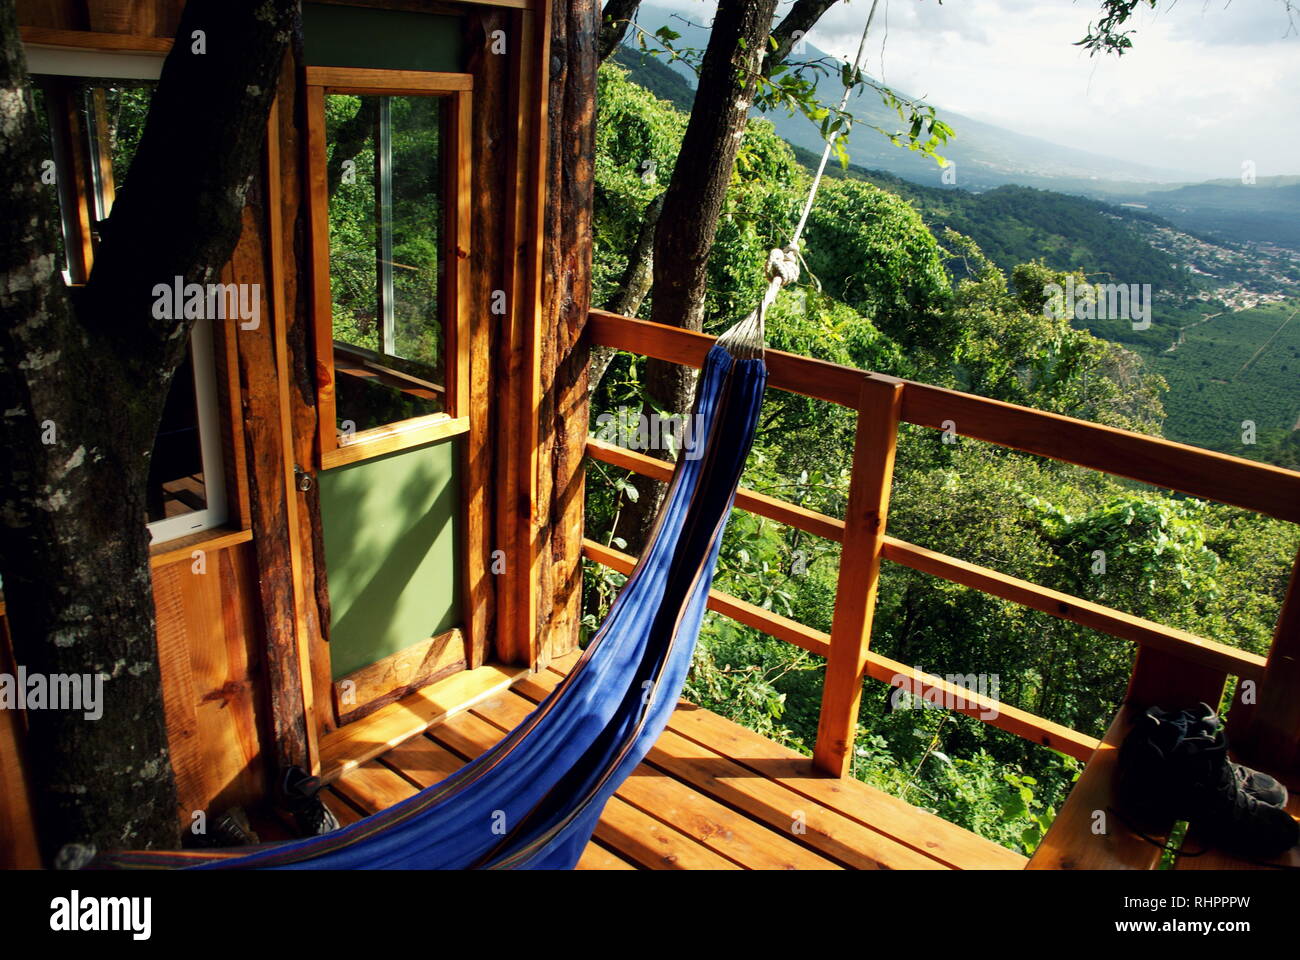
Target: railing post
x: 1265, y: 726
x: 879, y: 407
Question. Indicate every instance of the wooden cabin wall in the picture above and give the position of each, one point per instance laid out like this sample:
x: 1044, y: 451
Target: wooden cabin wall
x: 141, y: 18
x: 242, y: 636
x: 18, y: 847
x: 211, y: 665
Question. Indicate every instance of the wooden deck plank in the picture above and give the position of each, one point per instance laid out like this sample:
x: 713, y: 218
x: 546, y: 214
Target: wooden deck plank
x: 865, y: 806
x: 596, y: 857
x: 756, y: 796
x: 415, y: 764
x: 634, y: 834
x: 747, y: 843
x: 352, y: 745
x: 374, y: 787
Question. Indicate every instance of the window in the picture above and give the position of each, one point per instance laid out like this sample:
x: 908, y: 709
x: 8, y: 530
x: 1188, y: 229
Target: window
x: 389, y: 214
x: 94, y: 118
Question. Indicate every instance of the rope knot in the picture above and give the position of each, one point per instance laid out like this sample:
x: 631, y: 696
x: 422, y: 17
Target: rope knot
x: 783, y: 263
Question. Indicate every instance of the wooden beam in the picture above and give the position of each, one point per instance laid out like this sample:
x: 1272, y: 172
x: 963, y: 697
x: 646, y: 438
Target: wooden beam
x: 1144, y: 632
x: 279, y: 321
x: 855, y: 594
x: 321, y: 303
x: 994, y: 712
x: 386, y: 83
x: 773, y: 624
x: 786, y: 371
x: 561, y: 400
x: 1175, y: 466
x: 1186, y: 646
x: 94, y: 40
x: 392, y: 437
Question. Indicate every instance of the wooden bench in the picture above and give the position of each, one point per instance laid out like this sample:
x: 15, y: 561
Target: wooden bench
x: 1080, y: 840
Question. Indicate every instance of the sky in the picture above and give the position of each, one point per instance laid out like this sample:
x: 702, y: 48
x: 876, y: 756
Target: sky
x: 1209, y: 84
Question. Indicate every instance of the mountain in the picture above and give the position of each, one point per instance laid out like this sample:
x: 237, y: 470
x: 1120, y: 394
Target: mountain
x: 986, y: 156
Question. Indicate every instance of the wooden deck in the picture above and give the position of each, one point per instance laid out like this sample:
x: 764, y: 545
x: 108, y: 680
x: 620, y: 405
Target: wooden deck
x: 711, y: 795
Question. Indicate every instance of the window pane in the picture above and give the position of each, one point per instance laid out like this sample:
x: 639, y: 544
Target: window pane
x: 384, y: 176
x: 176, y: 469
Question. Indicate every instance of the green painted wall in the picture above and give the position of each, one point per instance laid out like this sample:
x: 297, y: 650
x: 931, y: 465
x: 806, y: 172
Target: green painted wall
x: 335, y: 36
x: 391, y: 548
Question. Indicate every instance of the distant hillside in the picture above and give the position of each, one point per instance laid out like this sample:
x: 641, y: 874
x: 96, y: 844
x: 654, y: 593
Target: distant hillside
x: 1267, y: 211
x: 648, y: 71
x: 1014, y: 225
x: 987, y: 156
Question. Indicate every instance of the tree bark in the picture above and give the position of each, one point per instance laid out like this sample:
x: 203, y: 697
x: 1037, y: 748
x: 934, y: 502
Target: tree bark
x: 635, y: 283
x: 801, y: 18
x: 613, y: 26
x: 692, y: 205
x: 83, y: 379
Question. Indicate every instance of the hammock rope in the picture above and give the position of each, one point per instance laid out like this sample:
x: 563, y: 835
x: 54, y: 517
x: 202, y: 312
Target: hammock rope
x: 749, y: 337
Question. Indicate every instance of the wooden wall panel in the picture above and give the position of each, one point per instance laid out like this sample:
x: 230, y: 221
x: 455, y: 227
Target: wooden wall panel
x: 207, y: 625
x: 567, y: 233
x: 143, y: 18
x: 17, y: 826
x: 488, y: 271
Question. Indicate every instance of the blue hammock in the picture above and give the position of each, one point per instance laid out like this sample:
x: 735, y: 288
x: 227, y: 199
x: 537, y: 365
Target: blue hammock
x: 533, y: 800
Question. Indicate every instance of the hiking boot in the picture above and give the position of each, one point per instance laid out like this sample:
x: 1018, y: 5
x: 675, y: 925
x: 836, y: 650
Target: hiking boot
x: 302, y: 798
x: 1259, y: 785
x: 1174, y: 765
x: 231, y: 829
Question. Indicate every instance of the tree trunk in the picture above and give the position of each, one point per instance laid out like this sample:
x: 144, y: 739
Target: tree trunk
x: 637, y: 279
x: 692, y: 205
x: 83, y: 380
x: 613, y: 26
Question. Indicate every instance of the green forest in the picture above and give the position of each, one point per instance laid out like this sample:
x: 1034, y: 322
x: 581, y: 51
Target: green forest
x: 960, y: 304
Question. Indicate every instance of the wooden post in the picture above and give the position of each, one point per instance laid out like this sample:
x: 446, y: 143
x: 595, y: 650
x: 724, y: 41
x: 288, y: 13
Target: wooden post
x: 1268, y: 730
x: 879, y: 408
x: 1168, y: 681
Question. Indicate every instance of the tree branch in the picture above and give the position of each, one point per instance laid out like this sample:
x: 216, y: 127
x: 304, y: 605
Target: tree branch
x: 614, y: 21
x: 801, y: 18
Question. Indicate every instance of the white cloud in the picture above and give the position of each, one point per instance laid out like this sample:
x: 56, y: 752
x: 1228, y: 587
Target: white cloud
x: 1208, y: 83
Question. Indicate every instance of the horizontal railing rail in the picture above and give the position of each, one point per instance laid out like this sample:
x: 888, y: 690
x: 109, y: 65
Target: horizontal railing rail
x: 1163, y: 463
x: 881, y: 402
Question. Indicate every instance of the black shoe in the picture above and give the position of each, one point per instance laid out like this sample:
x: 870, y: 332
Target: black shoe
x: 302, y: 798
x: 231, y: 829
x: 1174, y: 766
x: 1259, y: 785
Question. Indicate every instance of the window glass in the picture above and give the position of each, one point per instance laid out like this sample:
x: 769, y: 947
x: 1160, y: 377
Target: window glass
x: 91, y: 128
x: 385, y: 169
x: 176, y: 469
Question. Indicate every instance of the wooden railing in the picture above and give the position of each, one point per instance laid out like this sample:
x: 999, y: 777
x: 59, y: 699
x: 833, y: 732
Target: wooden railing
x: 1170, y: 663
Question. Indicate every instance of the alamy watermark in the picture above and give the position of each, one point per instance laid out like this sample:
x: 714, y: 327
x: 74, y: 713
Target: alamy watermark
x: 213, y: 301
x: 959, y: 691
x: 1099, y: 301
x: 632, y: 429
x: 82, y: 692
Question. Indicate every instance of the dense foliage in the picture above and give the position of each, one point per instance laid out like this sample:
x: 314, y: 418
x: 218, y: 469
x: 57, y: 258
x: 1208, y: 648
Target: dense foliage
x: 883, y: 291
